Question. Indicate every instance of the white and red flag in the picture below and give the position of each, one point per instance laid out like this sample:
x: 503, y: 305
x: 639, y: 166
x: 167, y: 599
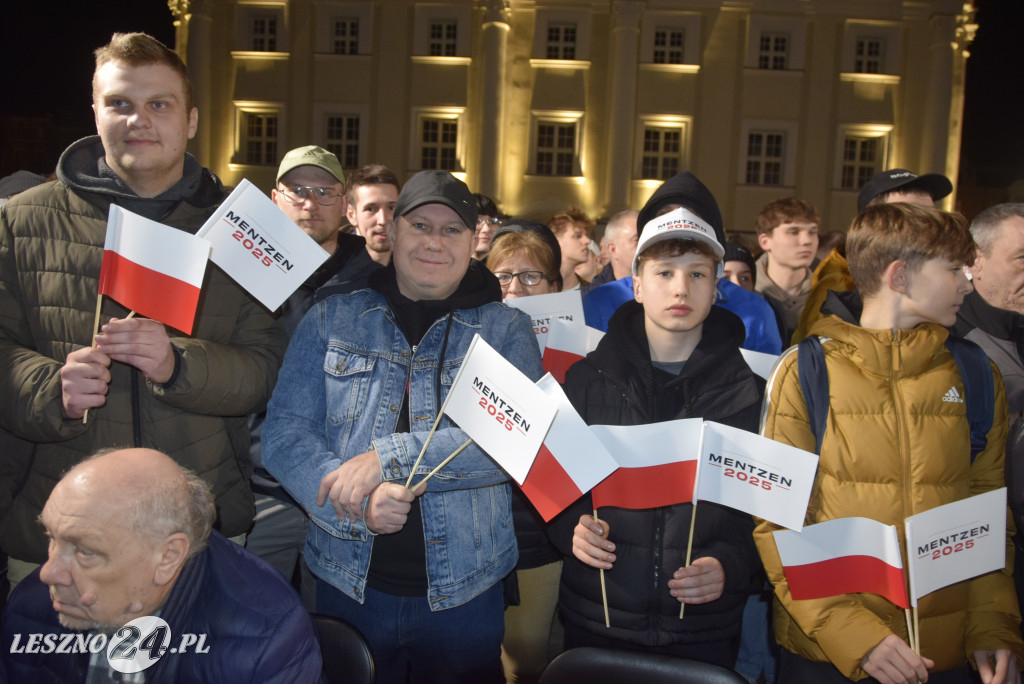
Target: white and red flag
x: 499, y: 408
x: 545, y: 309
x: 567, y: 343
x: 843, y: 556
x: 960, y: 540
x: 153, y: 269
x: 262, y: 249
x: 757, y: 475
x: 570, y: 462
x: 657, y: 463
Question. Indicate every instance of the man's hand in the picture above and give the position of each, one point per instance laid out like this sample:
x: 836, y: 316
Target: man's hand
x: 701, y: 581
x: 388, y: 508
x: 1006, y: 671
x: 590, y: 543
x: 891, y: 661
x: 84, y: 381
x: 139, y: 342
x: 347, y: 486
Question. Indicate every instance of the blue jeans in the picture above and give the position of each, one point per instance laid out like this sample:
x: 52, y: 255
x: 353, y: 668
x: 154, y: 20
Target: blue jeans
x: 410, y: 643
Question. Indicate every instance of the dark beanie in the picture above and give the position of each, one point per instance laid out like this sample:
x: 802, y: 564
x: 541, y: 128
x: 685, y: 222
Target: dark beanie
x: 684, y: 188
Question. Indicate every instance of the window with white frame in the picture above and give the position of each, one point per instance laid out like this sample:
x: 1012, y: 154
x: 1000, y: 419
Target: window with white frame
x: 341, y: 134
x: 439, y: 143
x: 869, y: 55
x: 668, y: 46
x: 442, y: 40
x: 263, y: 33
x: 555, y: 148
x: 862, y: 157
x: 765, y: 157
x: 773, y: 51
x: 662, y: 152
x: 345, y: 36
x: 561, y: 41
x: 258, y: 140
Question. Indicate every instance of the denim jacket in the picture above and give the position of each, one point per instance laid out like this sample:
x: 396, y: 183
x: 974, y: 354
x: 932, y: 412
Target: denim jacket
x: 339, y: 393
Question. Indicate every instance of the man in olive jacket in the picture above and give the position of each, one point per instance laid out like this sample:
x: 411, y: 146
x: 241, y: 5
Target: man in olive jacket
x: 142, y: 384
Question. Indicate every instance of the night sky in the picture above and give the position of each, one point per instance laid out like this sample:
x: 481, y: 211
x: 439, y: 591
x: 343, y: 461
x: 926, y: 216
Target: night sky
x: 47, y: 64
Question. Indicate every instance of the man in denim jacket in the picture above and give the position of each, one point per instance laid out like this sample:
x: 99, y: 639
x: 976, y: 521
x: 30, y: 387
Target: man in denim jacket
x: 419, y: 574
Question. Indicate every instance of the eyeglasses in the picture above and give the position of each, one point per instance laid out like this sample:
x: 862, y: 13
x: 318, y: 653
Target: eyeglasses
x: 298, y: 194
x: 528, y: 278
x: 488, y: 221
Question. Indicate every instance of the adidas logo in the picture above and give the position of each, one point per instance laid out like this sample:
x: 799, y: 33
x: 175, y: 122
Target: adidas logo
x: 953, y: 396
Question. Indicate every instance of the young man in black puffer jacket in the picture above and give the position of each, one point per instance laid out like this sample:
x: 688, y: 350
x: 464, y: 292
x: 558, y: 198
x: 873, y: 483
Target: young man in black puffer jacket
x: 670, y: 354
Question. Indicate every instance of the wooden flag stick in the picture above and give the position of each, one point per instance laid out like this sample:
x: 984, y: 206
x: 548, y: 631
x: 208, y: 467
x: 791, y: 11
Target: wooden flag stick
x: 910, y: 628
x: 95, y: 331
x: 442, y: 464
x: 917, y: 632
x: 689, y: 551
x: 604, y: 590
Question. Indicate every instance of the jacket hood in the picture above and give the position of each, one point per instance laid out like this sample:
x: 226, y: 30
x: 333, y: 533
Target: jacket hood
x: 685, y: 189
x: 624, y: 350
x: 847, y: 305
x: 82, y: 167
x: 886, y: 352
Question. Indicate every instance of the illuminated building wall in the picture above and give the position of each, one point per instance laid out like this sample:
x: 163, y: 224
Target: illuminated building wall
x: 587, y: 102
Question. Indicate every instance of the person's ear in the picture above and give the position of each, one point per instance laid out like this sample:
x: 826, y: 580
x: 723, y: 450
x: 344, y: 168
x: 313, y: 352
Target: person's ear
x: 896, y: 277
x: 173, y: 554
x: 638, y: 290
x: 764, y: 240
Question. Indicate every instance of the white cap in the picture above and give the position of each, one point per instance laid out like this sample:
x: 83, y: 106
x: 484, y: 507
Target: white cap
x: 678, y: 224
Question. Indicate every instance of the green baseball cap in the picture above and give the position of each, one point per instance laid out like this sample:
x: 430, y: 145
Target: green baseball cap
x: 311, y: 155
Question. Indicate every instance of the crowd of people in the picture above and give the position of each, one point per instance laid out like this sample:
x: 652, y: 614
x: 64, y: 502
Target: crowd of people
x: 234, y: 481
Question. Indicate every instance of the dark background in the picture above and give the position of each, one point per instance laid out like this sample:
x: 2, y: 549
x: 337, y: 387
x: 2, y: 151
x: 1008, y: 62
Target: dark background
x: 47, y: 71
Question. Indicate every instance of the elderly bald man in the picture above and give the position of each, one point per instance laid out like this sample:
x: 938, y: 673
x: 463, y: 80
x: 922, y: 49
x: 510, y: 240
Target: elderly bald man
x: 131, y: 542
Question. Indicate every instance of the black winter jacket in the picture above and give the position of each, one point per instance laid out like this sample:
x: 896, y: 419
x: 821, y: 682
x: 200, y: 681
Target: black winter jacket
x: 617, y: 385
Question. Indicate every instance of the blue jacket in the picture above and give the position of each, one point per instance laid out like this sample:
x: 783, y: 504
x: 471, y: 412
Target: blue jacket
x: 340, y: 391
x: 756, y: 313
x: 257, y: 630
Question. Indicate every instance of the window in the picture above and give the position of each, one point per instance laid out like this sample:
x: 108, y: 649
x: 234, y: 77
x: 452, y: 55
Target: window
x: 259, y: 138
x: 556, y: 149
x: 868, y: 56
x: 342, y: 136
x: 668, y: 47
x: 662, y: 152
x: 442, y: 42
x: 263, y: 34
x: 561, y: 42
x: 860, y: 160
x: 345, y: 37
x: 773, y: 52
x: 439, y: 140
x: 765, y: 150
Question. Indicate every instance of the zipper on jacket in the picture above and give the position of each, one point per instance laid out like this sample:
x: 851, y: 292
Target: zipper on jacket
x: 656, y: 556
x: 901, y: 431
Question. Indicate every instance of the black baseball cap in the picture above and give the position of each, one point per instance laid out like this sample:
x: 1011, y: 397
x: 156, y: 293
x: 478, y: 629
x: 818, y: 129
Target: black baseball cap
x: 438, y: 187
x: 935, y: 184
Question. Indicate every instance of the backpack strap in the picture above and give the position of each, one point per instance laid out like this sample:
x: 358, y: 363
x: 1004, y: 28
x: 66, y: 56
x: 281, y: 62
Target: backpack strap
x: 814, y: 385
x: 979, y: 389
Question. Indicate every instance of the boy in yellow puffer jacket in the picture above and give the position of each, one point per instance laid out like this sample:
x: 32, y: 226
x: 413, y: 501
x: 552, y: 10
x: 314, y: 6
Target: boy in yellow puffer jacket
x: 893, y: 448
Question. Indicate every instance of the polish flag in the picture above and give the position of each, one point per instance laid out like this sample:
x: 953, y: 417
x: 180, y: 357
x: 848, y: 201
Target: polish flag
x: 657, y: 464
x: 567, y: 343
x: 570, y: 461
x: 153, y: 269
x: 843, y: 556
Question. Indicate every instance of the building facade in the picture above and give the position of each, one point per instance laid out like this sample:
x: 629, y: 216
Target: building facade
x: 544, y: 104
